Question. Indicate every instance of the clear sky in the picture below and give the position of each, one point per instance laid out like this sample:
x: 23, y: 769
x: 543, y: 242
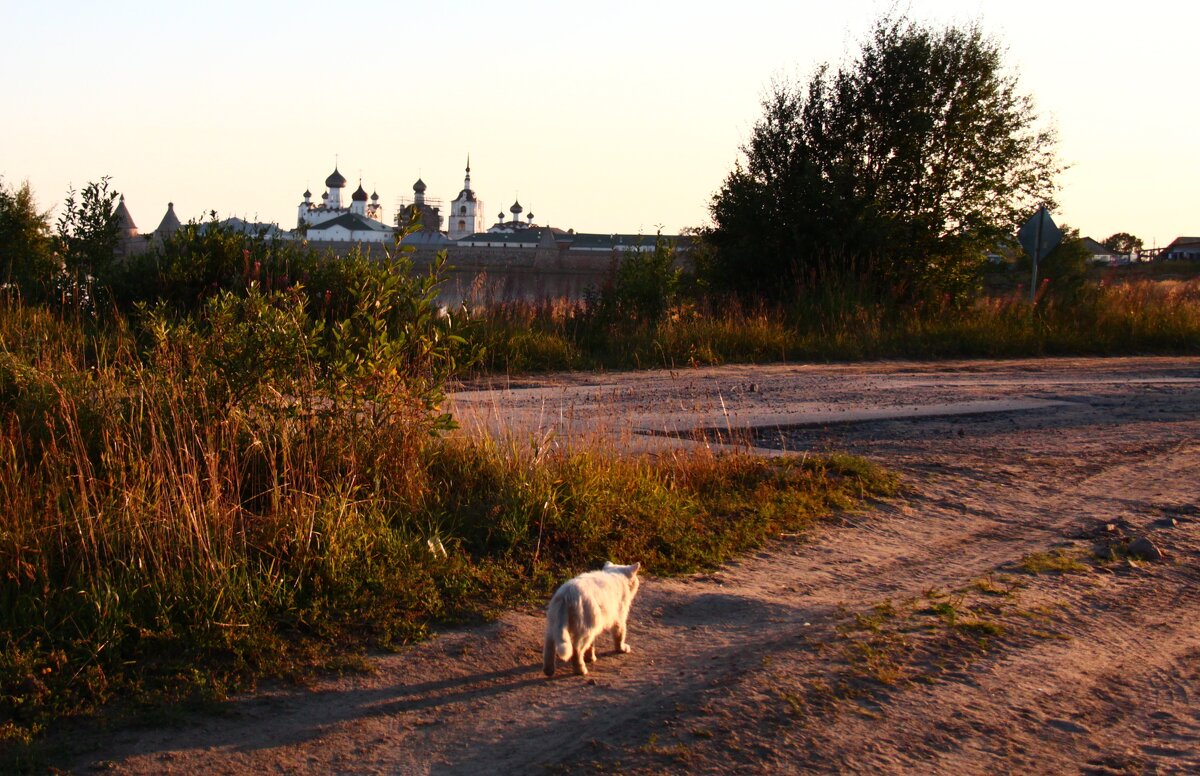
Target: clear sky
x: 605, y: 117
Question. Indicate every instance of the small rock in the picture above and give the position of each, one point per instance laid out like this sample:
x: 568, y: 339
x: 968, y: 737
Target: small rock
x: 1145, y: 549
x: 1110, y: 527
x: 753, y: 388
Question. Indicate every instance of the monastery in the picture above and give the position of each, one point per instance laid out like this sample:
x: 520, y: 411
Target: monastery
x: 514, y: 258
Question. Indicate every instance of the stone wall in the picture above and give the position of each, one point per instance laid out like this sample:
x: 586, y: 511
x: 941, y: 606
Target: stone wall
x: 508, y: 274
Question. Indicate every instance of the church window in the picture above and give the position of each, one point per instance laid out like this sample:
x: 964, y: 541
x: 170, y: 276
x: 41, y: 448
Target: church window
x: 462, y: 224
x: 462, y: 210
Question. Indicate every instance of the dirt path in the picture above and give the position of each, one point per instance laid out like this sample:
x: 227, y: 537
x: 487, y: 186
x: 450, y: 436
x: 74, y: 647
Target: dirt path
x: 905, y: 639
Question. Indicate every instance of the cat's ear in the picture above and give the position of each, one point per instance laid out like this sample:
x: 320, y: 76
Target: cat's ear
x: 607, y: 564
x: 634, y: 568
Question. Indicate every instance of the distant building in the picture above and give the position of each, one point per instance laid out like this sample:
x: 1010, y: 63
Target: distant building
x: 515, y: 224
x: 130, y: 242
x: 420, y: 212
x: 1182, y: 248
x: 568, y: 242
x: 169, y: 224
x: 268, y: 231
x: 330, y: 221
x: 1102, y: 255
x: 514, y: 258
x: 466, y: 211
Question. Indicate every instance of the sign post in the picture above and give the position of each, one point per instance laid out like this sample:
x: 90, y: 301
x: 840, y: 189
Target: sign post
x: 1039, y: 236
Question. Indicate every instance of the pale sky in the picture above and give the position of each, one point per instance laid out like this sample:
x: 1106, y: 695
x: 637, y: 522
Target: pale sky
x: 603, y: 117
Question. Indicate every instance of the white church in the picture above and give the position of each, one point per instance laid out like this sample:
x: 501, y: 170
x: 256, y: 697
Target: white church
x: 365, y: 221
x: 330, y: 221
x: 363, y: 218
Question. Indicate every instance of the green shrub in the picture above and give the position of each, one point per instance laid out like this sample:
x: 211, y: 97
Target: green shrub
x: 217, y: 506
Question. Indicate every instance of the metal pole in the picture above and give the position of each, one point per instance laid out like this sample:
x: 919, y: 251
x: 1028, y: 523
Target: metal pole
x: 1037, y: 251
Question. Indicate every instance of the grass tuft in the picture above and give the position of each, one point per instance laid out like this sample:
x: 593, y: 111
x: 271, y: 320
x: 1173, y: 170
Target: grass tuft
x: 1056, y: 561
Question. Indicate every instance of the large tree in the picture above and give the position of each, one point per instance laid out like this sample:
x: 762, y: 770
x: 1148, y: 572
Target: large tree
x: 26, y: 256
x: 1123, y: 242
x: 902, y: 167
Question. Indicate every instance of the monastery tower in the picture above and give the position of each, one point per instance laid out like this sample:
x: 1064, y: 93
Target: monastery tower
x: 466, y: 211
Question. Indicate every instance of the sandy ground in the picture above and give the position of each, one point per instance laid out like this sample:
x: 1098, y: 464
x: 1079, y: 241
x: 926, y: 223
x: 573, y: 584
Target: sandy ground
x: 834, y: 652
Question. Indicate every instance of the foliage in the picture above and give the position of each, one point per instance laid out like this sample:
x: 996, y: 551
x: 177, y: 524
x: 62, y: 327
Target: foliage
x: 1120, y: 315
x: 1123, y: 242
x: 1059, y: 561
x: 1063, y: 273
x: 87, y: 230
x: 904, y: 166
x: 1065, y: 268
x: 382, y: 344
x: 645, y: 286
x: 173, y: 525
x: 26, y: 251
x: 205, y: 258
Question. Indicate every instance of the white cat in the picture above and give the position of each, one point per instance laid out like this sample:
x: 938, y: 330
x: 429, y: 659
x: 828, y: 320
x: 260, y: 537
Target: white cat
x: 584, y: 607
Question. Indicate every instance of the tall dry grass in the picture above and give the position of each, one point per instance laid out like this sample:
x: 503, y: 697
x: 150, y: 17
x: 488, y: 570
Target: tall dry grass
x: 1139, y: 317
x: 171, y: 528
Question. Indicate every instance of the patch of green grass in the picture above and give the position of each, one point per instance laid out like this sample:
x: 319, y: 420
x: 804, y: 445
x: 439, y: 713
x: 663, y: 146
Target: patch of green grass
x: 879, y: 617
x: 981, y: 627
x: 954, y: 612
x: 1003, y: 585
x: 1056, y: 561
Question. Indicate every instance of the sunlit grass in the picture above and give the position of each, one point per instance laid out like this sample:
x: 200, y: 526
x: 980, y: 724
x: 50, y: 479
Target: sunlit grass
x: 1140, y: 317
x: 158, y: 541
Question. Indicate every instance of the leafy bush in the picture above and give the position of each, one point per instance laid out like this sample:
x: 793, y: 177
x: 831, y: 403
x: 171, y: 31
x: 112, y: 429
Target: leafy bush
x: 644, y: 289
x: 908, y: 163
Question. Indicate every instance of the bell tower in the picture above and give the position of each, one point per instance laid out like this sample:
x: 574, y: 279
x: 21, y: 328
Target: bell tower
x: 464, y: 216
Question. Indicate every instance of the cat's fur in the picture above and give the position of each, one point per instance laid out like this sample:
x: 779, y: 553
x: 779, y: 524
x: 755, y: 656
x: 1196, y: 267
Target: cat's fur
x: 584, y: 607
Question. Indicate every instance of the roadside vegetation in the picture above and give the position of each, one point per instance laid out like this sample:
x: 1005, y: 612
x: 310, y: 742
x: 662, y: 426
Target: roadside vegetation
x: 1107, y: 314
x: 227, y: 459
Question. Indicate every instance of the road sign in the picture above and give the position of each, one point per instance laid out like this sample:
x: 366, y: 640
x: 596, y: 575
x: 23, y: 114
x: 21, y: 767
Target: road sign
x: 1039, y: 236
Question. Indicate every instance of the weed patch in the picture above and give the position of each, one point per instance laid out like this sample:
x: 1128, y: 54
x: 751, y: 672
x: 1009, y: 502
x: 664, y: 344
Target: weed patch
x: 1056, y: 561
x: 1136, y: 316
x: 177, y: 524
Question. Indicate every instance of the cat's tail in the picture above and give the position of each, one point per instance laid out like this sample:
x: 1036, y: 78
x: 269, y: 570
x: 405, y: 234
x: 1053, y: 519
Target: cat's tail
x: 558, y: 640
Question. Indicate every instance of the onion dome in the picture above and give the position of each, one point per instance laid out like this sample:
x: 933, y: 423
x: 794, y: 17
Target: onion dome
x: 307, y: 194
x: 419, y: 186
x: 374, y: 196
x: 516, y: 208
x: 359, y: 195
x: 499, y: 216
x: 336, y: 180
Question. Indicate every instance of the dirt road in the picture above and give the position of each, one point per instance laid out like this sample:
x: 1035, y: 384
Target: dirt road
x: 966, y: 627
